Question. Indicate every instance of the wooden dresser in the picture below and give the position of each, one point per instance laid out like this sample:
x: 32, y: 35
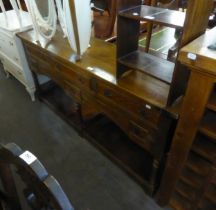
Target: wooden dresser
x: 189, y: 181
x: 136, y: 103
x: 139, y: 102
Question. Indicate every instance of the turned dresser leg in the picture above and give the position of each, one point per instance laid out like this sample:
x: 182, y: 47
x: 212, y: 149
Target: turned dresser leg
x: 31, y: 92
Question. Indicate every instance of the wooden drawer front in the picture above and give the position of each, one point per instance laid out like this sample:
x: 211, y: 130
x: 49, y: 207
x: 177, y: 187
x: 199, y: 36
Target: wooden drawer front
x: 71, y: 76
x: 72, y: 90
x: 56, y: 67
x: 144, y: 136
x: 55, y: 72
x: 41, y: 66
x: 134, y: 105
x: 115, y: 114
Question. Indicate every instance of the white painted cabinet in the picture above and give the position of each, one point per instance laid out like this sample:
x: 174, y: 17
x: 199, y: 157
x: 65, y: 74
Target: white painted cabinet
x: 12, y: 53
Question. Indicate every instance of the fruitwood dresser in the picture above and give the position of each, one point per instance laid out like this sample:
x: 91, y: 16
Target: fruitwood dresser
x: 136, y: 102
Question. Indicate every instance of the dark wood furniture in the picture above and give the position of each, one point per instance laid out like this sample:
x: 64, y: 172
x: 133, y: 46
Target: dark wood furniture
x: 189, y: 179
x: 130, y: 58
x: 133, y: 102
x: 136, y: 102
x: 40, y: 190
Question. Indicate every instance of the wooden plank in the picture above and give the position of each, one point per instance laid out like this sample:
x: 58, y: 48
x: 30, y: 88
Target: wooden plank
x: 212, y: 101
x: 196, y: 22
x: 205, y: 148
x: 205, y: 58
x: 192, y: 112
x: 208, y: 126
x: 154, y: 66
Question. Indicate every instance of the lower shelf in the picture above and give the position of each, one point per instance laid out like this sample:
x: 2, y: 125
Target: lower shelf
x: 61, y: 104
x: 115, y: 144
x: 104, y: 134
x: 152, y: 65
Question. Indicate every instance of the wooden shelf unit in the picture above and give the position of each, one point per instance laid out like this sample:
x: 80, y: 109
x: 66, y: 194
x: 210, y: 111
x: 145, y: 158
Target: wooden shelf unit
x: 194, y: 143
x: 129, y: 57
x: 201, y: 163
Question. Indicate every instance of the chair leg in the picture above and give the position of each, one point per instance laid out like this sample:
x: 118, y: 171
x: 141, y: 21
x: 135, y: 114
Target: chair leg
x: 9, y: 186
x: 148, y: 37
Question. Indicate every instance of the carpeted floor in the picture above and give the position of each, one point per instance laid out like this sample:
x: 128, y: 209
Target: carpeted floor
x: 91, y: 181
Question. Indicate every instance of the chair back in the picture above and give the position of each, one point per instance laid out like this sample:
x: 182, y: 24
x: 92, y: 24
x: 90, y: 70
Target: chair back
x: 41, y: 191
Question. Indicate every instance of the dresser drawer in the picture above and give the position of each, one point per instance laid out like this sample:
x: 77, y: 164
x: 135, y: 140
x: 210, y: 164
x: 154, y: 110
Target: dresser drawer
x: 54, y: 67
x: 45, y: 67
x: 71, y: 76
x: 9, y: 48
x: 143, y: 135
x: 56, y: 72
x: 14, y: 70
x: 126, y: 101
x: 72, y: 90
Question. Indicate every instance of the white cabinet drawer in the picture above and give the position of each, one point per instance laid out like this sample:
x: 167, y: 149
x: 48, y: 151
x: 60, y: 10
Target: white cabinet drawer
x: 15, y: 70
x: 9, y: 48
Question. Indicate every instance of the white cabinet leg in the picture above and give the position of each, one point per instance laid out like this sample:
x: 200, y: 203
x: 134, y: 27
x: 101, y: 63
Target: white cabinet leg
x: 7, y: 74
x: 31, y: 92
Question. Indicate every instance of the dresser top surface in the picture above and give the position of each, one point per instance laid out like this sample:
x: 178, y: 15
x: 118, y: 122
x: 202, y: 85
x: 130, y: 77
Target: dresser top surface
x: 202, y: 57
x: 100, y: 61
x: 11, y: 22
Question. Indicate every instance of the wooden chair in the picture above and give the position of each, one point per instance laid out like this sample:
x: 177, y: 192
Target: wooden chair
x: 41, y: 190
x: 105, y: 13
x: 104, y: 17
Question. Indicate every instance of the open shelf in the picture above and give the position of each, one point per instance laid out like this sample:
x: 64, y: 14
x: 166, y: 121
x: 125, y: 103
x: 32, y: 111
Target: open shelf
x: 179, y: 202
x: 191, y: 178
x: 198, y: 165
x: 109, y: 138
x: 146, y: 87
x: 212, y: 101
x: 186, y: 180
x: 206, y: 204
x: 211, y: 194
x: 186, y: 191
x: 154, y: 66
x: 166, y: 17
x: 54, y: 97
x: 204, y: 147
x: 104, y: 134
x: 208, y: 125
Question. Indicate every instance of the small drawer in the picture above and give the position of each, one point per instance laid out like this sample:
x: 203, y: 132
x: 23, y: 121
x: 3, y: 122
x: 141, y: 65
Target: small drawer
x: 45, y: 67
x: 14, y: 70
x: 10, y: 49
x: 144, y: 136
x: 33, y: 63
x: 141, y: 109
x: 72, y: 90
x: 70, y: 75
